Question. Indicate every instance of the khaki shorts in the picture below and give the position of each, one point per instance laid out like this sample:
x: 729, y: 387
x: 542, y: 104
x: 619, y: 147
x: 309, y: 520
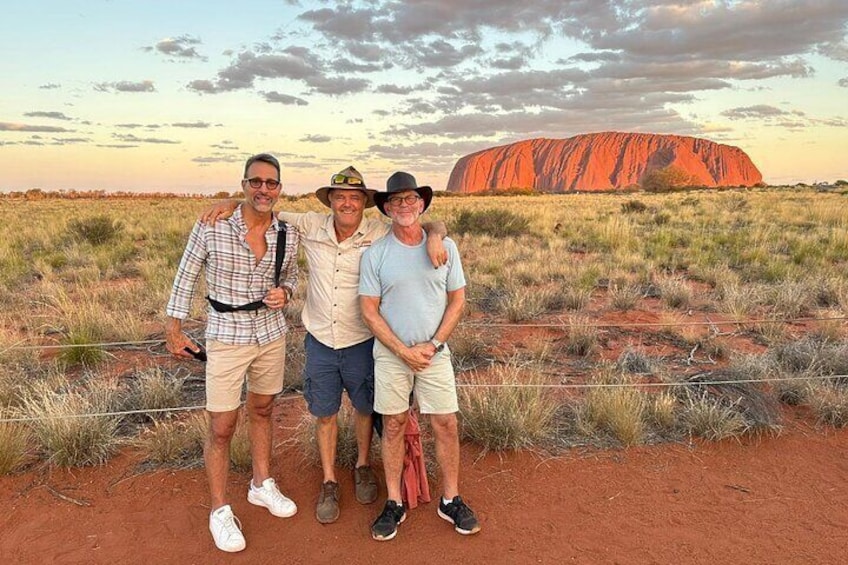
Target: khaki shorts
x: 435, y: 386
x: 229, y: 365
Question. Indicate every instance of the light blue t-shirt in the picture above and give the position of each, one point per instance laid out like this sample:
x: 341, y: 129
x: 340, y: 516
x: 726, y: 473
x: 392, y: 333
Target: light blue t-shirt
x: 413, y: 295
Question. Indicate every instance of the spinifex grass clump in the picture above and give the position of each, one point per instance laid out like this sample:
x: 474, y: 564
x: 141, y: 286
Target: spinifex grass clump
x: 506, y: 408
x: 729, y: 409
x: 175, y: 443
x: 496, y: 222
x: 67, y: 430
x: 96, y: 230
x: 155, y: 389
x: 614, y: 406
x: 14, y: 444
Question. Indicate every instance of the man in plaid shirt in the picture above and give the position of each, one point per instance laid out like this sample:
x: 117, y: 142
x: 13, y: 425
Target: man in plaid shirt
x: 245, y: 336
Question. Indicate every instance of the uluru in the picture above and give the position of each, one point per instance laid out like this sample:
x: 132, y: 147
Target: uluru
x: 599, y: 162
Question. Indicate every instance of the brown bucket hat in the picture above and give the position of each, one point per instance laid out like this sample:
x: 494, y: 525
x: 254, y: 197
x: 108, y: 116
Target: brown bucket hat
x: 400, y: 182
x: 348, y: 179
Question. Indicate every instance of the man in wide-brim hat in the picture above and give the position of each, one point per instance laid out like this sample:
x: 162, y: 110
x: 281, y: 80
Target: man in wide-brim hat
x: 338, y: 344
x: 402, y: 182
x: 412, y: 309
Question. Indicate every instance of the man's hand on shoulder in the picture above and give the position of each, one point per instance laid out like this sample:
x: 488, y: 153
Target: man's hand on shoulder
x: 219, y: 211
x: 436, y: 251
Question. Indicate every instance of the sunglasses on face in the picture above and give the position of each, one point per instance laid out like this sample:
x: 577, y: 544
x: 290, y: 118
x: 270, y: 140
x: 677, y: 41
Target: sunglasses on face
x: 409, y: 199
x: 344, y: 179
x: 257, y: 183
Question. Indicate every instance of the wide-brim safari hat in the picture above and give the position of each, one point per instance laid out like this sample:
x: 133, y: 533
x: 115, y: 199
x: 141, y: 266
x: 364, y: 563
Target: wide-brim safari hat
x: 401, y: 182
x: 348, y: 179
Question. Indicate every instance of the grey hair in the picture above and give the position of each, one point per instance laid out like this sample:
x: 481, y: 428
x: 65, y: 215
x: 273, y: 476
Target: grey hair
x: 263, y: 158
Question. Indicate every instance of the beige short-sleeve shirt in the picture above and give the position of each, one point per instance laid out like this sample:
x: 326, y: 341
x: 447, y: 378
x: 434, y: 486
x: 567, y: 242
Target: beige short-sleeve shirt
x: 332, y: 313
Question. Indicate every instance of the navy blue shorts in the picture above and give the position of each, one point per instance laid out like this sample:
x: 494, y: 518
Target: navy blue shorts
x: 329, y: 371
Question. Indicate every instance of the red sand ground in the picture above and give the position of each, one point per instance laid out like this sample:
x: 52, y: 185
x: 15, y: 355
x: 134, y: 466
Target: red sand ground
x: 772, y: 500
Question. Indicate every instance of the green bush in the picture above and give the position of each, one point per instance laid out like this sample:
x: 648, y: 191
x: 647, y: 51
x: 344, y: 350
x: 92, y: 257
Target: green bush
x: 665, y: 180
x: 96, y: 230
x: 493, y: 221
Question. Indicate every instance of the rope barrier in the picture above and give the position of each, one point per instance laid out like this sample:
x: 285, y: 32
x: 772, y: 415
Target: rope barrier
x: 297, y: 329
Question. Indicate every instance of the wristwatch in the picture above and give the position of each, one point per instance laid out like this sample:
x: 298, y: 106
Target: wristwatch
x: 439, y: 345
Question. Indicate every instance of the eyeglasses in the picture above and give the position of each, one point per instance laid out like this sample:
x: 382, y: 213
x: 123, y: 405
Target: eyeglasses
x: 344, y: 179
x: 257, y: 183
x: 409, y: 199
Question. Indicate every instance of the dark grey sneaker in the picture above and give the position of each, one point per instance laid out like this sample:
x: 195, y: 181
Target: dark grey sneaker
x: 385, y: 526
x: 327, y: 510
x: 366, y: 484
x: 460, y: 515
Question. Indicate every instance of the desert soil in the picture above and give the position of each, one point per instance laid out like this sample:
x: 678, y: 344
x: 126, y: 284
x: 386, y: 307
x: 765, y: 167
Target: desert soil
x: 768, y: 500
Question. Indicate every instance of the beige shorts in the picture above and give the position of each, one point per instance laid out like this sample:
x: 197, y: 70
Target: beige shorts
x: 435, y: 387
x: 262, y: 365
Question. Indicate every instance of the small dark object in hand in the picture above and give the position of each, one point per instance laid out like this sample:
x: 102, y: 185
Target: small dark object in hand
x: 199, y: 355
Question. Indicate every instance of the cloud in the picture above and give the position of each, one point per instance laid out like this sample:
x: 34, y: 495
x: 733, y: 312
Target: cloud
x: 279, y: 98
x: 50, y: 86
x: 70, y: 140
x: 126, y: 86
x: 756, y: 111
x: 311, y: 138
x: 192, y: 125
x: 7, y: 126
x: 395, y: 89
x: 218, y: 158
x: 130, y: 138
x: 294, y: 63
x: 337, y: 86
x: 843, y: 82
x: 116, y: 146
x: 181, y: 47
x: 51, y: 115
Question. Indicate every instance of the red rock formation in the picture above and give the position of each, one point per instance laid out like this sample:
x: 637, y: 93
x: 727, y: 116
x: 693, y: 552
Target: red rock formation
x: 600, y: 161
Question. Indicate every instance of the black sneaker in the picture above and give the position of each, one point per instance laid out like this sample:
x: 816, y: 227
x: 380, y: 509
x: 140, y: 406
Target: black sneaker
x: 460, y: 515
x: 385, y: 526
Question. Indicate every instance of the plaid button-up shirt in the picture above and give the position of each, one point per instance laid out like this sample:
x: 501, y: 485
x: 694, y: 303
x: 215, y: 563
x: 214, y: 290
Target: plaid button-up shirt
x: 234, y: 277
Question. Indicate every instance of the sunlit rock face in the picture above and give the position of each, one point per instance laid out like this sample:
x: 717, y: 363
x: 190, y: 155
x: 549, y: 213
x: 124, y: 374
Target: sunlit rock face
x: 600, y: 161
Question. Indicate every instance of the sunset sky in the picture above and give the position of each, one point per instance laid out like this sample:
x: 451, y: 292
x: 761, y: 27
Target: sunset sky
x: 162, y: 95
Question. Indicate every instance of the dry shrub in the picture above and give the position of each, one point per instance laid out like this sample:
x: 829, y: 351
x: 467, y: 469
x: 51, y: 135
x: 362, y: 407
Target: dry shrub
x: 634, y: 361
x: 582, y: 336
x: 791, y: 299
x: 516, y: 413
x: 519, y: 304
x: 738, y: 300
x: 15, y: 443
x: 495, y: 222
x: 708, y: 418
x: 569, y: 298
x: 96, y: 230
x: 175, y: 443
x: 468, y: 347
x: 615, y: 406
x: 758, y: 410
x: 624, y: 296
x: 675, y: 292
x: 69, y: 436
x: 155, y: 389
x: 661, y: 411
x: 830, y: 404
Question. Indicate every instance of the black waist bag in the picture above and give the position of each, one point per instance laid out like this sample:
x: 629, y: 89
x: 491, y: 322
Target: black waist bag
x: 278, y: 265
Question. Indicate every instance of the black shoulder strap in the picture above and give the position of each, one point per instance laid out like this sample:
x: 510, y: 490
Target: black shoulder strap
x: 281, y: 251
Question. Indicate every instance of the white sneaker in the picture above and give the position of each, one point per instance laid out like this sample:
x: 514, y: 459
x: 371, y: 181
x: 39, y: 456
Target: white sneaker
x: 226, y: 530
x: 269, y: 496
